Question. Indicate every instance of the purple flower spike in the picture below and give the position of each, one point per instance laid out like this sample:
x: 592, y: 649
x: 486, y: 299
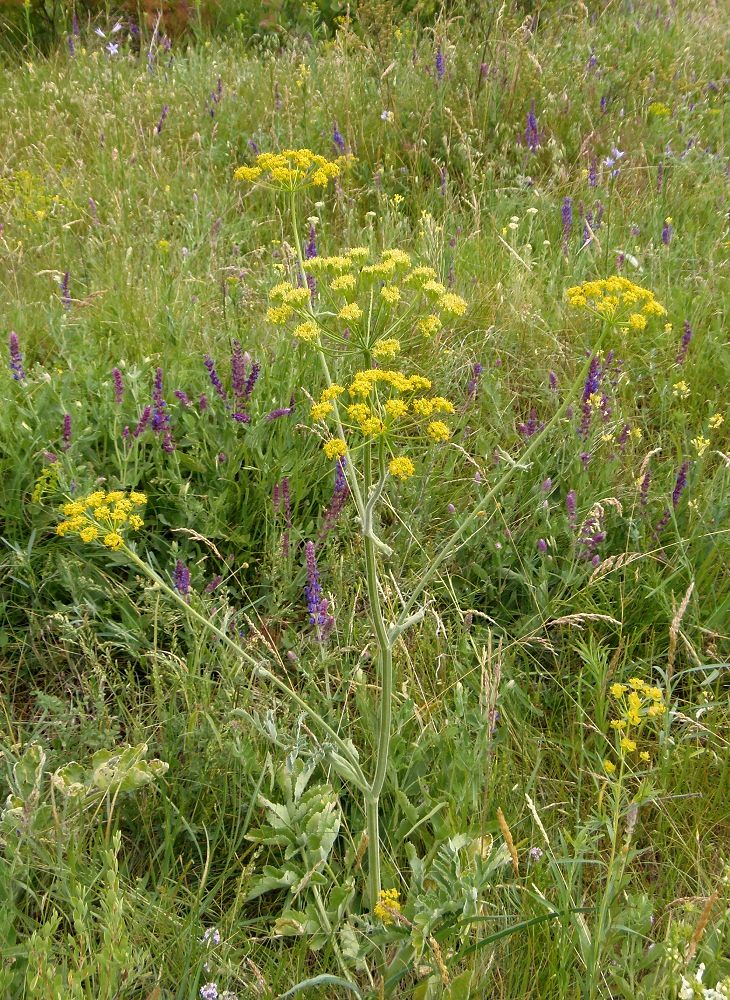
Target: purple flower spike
x: 238, y: 371
x: 183, y: 397
x: 667, y: 231
x: 337, y: 138
x: 65, y: 294
x: 471, y: 388
x: 644, y: 489
x: 440, y: 64
x: 317, y: 605
x: 163, y: 116
x: 570, y: 506
x: 214, y: 584
x: 143, y: 421
x: 251, y: 380
x: 553, y: 381
x: 684, y: 343
x: 590, y: 393
x: 16, y: 358
x: 66, y: 431
x: 567, y: 217
x: 532, y: 135
x: 310, y: 250
x: 181, y: 579
x: 680, y: 485
x: 161, y: 415
x: 118, y: 386
x: 340, y: 494
x: 214, y: 379
x: 531, y: 426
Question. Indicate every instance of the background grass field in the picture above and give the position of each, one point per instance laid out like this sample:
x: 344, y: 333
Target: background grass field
x: 126, y: 244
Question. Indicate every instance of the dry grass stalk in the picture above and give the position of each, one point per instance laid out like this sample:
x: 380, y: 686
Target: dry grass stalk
x: 674, y: 628
x: 702, y: 924
x: 507, y: 834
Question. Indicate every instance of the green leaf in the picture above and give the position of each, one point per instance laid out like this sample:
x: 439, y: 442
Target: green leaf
x: 309, y: 984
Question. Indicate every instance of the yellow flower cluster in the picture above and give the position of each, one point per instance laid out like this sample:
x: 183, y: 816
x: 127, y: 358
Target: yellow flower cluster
x: 292, y: 169
x: 637, y: 703
x: 369, y: 294
x: 616, y: 295
x: 388, y: 905
x: 102, y: 516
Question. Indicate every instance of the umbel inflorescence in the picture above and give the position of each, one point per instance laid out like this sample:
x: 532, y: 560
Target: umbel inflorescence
x: 292, y: 170
x: 618, y: 299
x: 103, y: 517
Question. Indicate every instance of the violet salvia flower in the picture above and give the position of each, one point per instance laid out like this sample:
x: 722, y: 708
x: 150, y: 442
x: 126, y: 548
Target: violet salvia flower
x: 203, y: 402
x: 161, y: 415
x: 588, y: 228
x: 684, y: 343
x: 531, y: 426
x: 252, y: 379
x: 593, y: 173
x: 143, y: 421
x: 16, y: 358
x: 280, y: 411
x: 310, y: 250
x: 337, y: 138
x: 680, y: 485
x: 214, y: 379
x: 532, y: 134
x: 340, y: 494
x: 317, y: 604
x: 567, y: 218
x: 471, y: 388
x: 253, y: 146
x: 118, y: 386
x: 209, y: 991
x: 644, y: 488
x: 553, y: 381
x: 64, y: 285
x: 590, y: 537
x: 238, y: 372
x: 440, y: 65
x: 214, y: 584
x: 183, y: 397
x: 542, y: 546
x: 181, y: 579
x: 590, y: 395
x: 570, y: 506
x: 71, y: 46
x: 281, y: 502
x: 667, y: 231
x: 163, y: 116
x: 66, y: 431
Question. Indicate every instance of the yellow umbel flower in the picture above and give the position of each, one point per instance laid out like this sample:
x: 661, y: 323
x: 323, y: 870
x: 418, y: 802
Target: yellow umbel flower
x: 429, y: 325
x: 292, y: 169
x: 401, y: 467
x: 102, y: 515
x: 391, y: 294
x: 332, y: 392
x: 306, y: 331
x: 438, y: 430
x: 335, y: 448
x: 700, y: 444
x: 388, y: 906
x: 350, y: 313
x: 113, y: 540
x: 358, y: 412
x: 279, y: 314
x: 680, y: 389
x: 715, y: 421
x: 387, y: 348
x: 452, y: 305
x: 297, y: 296
x: 320, y: 410
x: 344, y: 283
x: 396, y: 408
x: 607, y: 296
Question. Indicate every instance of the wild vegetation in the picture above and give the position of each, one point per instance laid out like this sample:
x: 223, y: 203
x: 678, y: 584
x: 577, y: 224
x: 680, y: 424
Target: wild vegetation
x: 363, y: 504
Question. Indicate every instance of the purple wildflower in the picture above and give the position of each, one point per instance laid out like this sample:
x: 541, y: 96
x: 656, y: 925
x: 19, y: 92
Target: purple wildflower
x: 570, y: 507
x: 535, y: 853
x: 214, y: 584
x: 160, y: 415
x: 590, y: 537
x: 588, y: 228
x: 181, y: 579
x: 253, y: 146
x: 340, y: 493
x: 612, y: 161
x: 75, y: 29
x: 281, y: 502
x: 163, y: 116
x: 182, y: 397
x: 567, y: 217
x: 667, y: 231
x: 143, y: 421
x: 644, y: 489
x: 214, y: 379
x: 92, y: 211
x: 531, y: 426
x: 604, y: 104
x: 542, y: 546
x: 71, y: 46
x: 252, y: 379
x: 684, y: 343
x: 66, y: 431
x: 317, y: 604
x: 440, y: 65
x: 221, y: 457
x: 532, y: 135
x: 16, y: 358
x: 590, y: 393
x: 203, y: 402
x: 310, y: 250
x: 547, y: 485
x: 209, y: 991
x: 680, y: 485
x: 239, y: 363
x: 64, y: 286
x: 118, y: 386
x: 281, y: 411
x: 553, y: 381
x: 593, y: 173
x: 476, y: 371
x: 337, y: 138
